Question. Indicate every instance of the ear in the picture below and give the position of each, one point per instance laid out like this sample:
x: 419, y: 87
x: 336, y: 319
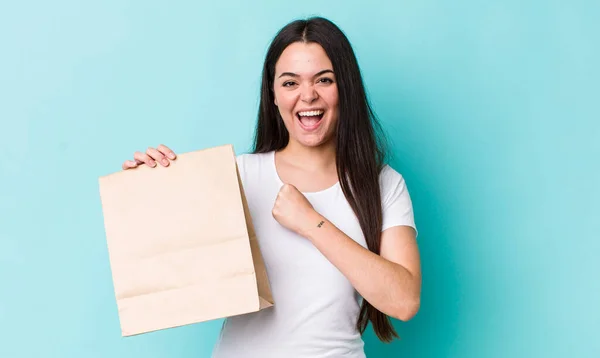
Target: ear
x: 275, y: 101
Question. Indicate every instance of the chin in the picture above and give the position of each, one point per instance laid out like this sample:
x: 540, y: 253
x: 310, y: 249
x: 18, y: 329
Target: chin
x: 312, y: 142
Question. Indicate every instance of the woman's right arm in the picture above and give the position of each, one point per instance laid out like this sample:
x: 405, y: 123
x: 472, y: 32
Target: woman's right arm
x: 161, y: 154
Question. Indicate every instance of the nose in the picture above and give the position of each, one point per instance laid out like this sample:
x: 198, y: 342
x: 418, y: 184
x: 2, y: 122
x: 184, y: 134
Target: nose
x: 308, y: 93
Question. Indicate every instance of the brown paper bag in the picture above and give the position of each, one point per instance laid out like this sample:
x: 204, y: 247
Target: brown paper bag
x: 181, y: 243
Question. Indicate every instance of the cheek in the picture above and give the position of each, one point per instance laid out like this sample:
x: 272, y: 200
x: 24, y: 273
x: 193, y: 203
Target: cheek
x: 284, y: 101
x: 331, y: 97
x: 332, y: 103
x: 286, y: 108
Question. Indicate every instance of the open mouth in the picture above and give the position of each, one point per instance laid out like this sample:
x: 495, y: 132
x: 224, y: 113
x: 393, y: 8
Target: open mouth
x: 310, y: 120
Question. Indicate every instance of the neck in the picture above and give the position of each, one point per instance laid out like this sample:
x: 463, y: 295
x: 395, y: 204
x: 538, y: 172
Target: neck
x: 310, y: 158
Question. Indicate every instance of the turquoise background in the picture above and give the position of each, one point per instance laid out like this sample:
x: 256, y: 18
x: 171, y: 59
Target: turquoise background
x: 493, y: 112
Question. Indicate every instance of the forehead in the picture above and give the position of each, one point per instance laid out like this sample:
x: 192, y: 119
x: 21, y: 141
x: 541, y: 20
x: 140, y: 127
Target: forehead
x: 303, y: 59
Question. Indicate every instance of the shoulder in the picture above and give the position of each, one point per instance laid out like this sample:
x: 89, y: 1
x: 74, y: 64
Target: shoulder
x: 396, y: 200
x: 252, y: 164
x: 248, y: 159
x: 390, y: 177
x: 392, y: 184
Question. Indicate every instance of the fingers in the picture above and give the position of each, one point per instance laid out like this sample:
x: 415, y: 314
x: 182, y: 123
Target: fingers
x: 129, y: 164
x: 143, y: 158
x: 160, y: 155
x: 166, y: 151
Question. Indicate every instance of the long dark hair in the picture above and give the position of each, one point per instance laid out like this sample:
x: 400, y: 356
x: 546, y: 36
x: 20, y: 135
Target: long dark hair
x: 360, y: 153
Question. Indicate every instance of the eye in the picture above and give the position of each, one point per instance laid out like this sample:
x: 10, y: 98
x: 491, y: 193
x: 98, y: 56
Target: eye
x: 326, y: 80
x: 288, y: 84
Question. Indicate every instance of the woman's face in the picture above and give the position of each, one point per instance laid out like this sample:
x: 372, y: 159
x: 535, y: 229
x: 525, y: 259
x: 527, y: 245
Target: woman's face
x: 306, y: 93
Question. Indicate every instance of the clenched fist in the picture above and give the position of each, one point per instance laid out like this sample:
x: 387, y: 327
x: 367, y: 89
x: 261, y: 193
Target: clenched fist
x: 293, y: 211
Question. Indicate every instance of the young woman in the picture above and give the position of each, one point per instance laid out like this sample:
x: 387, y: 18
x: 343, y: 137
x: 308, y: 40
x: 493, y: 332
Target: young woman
x: 334, y: 222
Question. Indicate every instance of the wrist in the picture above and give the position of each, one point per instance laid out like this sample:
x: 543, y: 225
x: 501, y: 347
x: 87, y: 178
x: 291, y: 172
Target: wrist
x: 314, y: 223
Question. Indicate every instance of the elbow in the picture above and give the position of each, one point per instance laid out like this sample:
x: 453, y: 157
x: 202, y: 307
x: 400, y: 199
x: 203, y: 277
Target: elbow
x: 408, y: 310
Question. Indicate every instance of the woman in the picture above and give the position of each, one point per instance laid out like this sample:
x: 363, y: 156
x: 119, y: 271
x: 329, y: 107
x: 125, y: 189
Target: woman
x: 335, y: 224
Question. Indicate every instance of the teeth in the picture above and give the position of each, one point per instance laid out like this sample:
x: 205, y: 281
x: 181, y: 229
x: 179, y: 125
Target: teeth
x: 310, y: 113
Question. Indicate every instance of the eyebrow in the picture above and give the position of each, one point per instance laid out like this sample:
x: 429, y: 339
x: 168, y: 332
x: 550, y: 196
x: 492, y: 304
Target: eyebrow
x: 291, y: 74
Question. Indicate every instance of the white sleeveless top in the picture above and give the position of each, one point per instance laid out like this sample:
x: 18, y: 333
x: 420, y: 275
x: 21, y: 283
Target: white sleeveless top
x: 316, y: 307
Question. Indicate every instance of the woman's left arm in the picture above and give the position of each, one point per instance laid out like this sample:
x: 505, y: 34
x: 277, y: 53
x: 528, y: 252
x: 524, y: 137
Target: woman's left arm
x: 391, y: 281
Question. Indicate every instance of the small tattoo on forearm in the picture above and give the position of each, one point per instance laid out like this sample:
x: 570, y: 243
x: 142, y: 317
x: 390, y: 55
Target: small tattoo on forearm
x: 321, y: 224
